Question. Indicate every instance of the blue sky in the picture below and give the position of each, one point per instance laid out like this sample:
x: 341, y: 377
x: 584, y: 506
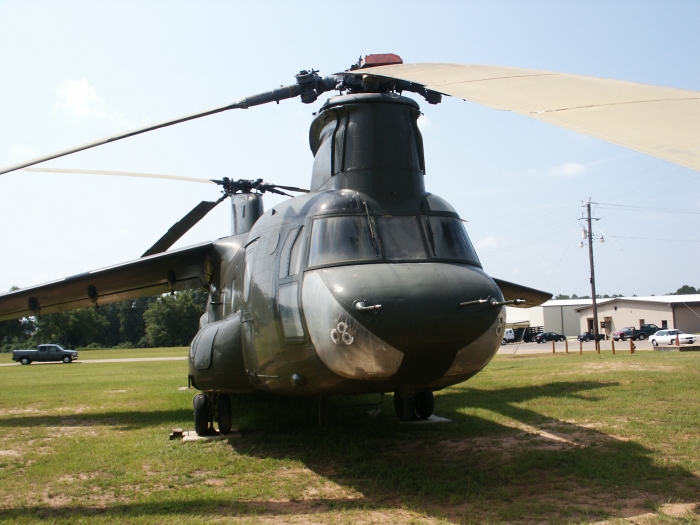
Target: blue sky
x: 71, y: 72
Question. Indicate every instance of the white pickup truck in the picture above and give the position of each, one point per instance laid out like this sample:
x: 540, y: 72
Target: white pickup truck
x: 508, y: 336
x: 44, y: 353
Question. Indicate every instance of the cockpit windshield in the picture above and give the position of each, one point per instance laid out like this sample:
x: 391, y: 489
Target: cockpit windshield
x: 398, y: 238
x: 338, y: 239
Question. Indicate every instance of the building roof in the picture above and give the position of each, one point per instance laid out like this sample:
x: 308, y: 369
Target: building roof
x: 661, y: 299
x: 568, y: 302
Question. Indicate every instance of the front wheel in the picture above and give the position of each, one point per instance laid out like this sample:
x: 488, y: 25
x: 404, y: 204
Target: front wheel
x: 67, y: 359
x: 654, y: 342
x: 623, y: 338
x: 201, y: 414
x: 223, y: 410
x: 642, y: 337
x: 25, y: 360
x: 425, y: 404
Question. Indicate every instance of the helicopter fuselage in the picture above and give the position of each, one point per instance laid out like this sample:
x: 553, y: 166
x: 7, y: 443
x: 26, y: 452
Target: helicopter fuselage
x: 357, y: 287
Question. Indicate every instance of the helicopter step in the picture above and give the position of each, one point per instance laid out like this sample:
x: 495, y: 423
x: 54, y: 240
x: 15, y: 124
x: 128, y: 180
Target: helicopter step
x: 210, y: 407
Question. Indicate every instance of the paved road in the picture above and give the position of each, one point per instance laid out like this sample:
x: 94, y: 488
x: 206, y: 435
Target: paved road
x: 124, y: 360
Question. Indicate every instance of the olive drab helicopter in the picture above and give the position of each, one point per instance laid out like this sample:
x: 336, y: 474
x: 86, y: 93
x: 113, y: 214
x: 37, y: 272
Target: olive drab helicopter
x: 365, y: 283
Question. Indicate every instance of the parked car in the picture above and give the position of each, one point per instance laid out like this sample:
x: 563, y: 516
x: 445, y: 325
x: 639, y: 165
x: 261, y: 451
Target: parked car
x: 549, y: 336
x: 668, y: 337
x: 44, y: 353
x: 508, y: 336
x: 588, y: 336
x: 624, y: 334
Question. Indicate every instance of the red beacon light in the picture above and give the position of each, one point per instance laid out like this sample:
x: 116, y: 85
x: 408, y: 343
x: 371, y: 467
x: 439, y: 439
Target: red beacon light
x: 383, y: 59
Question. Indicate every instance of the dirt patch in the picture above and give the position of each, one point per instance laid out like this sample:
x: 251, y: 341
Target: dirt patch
x: 9, y: 453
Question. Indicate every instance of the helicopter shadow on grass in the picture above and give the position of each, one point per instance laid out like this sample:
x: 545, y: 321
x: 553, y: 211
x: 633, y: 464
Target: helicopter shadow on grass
x: 514, y: 470
x: 117, y: 419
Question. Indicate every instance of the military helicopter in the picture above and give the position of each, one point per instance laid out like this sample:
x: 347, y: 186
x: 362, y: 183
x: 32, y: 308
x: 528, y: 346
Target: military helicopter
x: 366, y: 283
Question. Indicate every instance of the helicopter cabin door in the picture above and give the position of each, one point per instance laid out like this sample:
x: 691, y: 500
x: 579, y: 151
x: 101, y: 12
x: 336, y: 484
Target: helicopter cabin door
x: 247, y: 316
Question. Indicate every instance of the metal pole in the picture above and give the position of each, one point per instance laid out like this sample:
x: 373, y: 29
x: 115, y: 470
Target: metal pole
x: 590, y: 257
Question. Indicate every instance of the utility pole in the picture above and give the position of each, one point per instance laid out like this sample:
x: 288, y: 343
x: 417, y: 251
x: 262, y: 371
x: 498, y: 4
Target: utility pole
x: 590, y: 257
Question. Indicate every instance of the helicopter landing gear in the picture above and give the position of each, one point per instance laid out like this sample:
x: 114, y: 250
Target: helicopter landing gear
x: 416, y: 406
x: 223, y: 413
x: 425, y: 403
x: 201, y: 414
x: 210, y: 407
x: 324, y: 411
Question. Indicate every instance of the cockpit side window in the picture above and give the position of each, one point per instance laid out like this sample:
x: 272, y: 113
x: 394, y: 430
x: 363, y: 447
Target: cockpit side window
x: 448, y: 240
x: 401, y: 238
x: 297, y: 255
x: 340, y: 239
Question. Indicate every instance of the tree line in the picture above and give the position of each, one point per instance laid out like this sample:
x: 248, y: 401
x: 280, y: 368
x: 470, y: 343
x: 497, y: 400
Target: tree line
x: 683, y: 290
x: 168, y: 320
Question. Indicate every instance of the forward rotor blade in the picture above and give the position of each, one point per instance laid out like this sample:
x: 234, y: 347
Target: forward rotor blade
x: 659, y: 121
x: 275, y: 95
x: 120, y: 174
x: 181, y: 227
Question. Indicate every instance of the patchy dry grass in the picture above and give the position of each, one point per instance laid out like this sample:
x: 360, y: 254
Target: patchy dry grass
x: 534, y: 439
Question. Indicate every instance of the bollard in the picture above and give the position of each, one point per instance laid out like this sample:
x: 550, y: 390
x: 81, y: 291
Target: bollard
x: 612, y: 342
x: 552, y: 345
x: 632, y: 347
x: 580, y: 347
x: 678, y: 342
x: 566, y: 345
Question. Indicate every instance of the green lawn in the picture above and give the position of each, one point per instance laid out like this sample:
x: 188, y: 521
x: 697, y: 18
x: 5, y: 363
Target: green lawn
x: 533, y: 439
x: 110, y: 353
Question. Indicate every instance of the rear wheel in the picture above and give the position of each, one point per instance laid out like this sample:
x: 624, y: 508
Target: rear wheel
x: 201, y: 414
x: 25, y: 360
x: 425, y: 403
x: 642, y: 337
x: 223, y: 410
x: 562, y: 339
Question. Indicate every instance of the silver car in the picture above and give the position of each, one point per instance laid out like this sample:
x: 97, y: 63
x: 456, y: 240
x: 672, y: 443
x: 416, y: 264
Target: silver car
x: 668, y: 337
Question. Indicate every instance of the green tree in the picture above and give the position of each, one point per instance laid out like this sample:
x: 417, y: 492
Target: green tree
x: 685, y: 290
x: 77, y: 328
x: 173, y: 320
x: 15, y: 331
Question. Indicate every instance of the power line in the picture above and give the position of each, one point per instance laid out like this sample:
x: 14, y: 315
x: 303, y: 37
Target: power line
x: 652, y: 239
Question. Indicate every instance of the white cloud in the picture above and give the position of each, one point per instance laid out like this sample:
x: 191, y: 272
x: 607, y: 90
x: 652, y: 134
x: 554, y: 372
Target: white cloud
x: 486, y: 242
x: 568, y: 169
x: 77, y: 98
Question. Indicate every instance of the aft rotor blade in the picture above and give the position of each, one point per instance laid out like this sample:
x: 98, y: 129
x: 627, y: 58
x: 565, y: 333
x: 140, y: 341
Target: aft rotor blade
x: 275, y: 95
x: 120, y: 174
x: 658, y: 121
x: 292, y: 188
x: 181, y: 227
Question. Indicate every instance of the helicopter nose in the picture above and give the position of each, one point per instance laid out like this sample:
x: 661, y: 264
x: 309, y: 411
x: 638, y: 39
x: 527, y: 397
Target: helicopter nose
x: 410, y: 320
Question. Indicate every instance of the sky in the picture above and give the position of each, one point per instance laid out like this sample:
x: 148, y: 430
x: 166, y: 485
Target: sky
x: 75, y: 71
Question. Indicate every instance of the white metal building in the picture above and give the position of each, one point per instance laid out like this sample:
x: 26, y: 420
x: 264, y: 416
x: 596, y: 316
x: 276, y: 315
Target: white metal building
x: 556, y: 315
x: 666, y: 311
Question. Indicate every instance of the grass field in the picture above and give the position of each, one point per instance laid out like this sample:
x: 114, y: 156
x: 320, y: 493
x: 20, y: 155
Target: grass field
x: 533, y: 439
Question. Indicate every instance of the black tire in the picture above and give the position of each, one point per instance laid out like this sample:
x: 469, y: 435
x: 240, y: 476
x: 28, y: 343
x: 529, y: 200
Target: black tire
x: 425, y: 404
x: 586, y: 340
x: 562, y: 339
x: 25, y: 360
x: 654, y: 342
x: 623, y: 338
x: 223, y: 411
x: 66, y: 359
x: 642, y: 337
x: 405, y: 408
x: 503, y: 343
x: 201, y: 414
